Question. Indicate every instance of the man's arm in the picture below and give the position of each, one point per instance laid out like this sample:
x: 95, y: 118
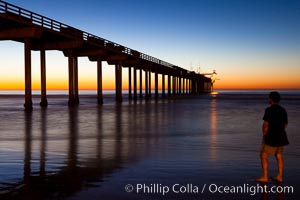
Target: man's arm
x: 265, y: 127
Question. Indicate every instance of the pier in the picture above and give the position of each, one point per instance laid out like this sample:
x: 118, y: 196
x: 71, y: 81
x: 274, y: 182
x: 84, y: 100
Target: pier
x: 39, y: 33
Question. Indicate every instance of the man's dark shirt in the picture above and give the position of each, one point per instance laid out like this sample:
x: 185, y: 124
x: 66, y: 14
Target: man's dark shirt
x: 276, y: 116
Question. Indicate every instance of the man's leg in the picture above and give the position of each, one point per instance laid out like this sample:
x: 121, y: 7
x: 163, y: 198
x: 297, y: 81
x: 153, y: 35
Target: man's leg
x: 264, y: 165
x: 280, y: 164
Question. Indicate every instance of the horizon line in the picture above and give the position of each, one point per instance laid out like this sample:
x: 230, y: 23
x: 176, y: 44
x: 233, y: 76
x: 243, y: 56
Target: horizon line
x: 159, y: 89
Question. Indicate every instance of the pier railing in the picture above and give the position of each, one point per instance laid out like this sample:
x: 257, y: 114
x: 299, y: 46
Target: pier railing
x: 45, y: 22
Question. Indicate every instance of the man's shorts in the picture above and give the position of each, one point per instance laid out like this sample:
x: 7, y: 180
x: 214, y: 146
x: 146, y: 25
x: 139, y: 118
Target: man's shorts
x: 271, y: 150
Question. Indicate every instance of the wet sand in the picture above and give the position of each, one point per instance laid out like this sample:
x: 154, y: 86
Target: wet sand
x: 94, y: 152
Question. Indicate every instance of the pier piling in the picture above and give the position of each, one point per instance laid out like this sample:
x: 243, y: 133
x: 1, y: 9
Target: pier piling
x: 134, y: 84
x: 118, y: 77
x: 44, y: 101
x: 28, y: 91
x: 141, y: 83
x: 129, y: 83
x: 71, y: 81
x: 99, y: 82
x: 156, y: 84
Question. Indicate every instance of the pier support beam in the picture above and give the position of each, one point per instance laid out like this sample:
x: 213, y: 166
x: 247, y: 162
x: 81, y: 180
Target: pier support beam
x: 28, y: 91
x: 186, y: 86
x: 118, y: 72
x: 156, y: 84
x: 141, y: 83
x: 190, y: 86
x: 193, y: 86
x: 201, y: 86
x: 71, y: 81
x: 149, y: 91
x: 183, y: 85
x: 146, y: 84
x: 76, y: 95
x: 174, y: 85
x: 129, y: 83
x: 99, y: 82
x: 169, y: 85
x: 179, y: 85
x: 44, y: 101
x: 196, y: 86
x: 134, y: 84
x: 163, y: 85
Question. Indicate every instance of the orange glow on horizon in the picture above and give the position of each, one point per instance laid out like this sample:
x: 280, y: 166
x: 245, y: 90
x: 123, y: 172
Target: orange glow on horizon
x: 253, y: 86
x: 258, y: 82
x: 63, y: 85
x: 110, y: 85
x: 86, y: 83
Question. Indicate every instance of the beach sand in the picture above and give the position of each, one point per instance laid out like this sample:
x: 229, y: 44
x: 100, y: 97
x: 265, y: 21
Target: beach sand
x: 194, y: 146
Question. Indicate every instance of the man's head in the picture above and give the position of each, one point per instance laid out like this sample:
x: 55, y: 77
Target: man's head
x: 274, y: 97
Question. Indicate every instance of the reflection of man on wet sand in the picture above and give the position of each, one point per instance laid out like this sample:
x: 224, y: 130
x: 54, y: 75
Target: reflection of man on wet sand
x: 274, y: 136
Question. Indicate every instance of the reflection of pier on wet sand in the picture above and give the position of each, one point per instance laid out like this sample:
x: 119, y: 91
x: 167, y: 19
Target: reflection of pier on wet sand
x: 40, y: 33
x: 87, y: 160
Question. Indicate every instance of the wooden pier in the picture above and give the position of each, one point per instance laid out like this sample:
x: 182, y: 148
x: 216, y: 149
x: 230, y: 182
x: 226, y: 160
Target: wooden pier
x: 39, y: 33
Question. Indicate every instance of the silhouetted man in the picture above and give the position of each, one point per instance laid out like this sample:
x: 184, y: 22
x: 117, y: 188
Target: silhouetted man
x: 274, y: 136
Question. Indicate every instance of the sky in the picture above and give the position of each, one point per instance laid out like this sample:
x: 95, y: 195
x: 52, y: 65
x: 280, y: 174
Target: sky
x: 251, y: 44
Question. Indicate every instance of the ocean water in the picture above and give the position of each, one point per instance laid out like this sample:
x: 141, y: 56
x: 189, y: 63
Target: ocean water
x: 187, y: 147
